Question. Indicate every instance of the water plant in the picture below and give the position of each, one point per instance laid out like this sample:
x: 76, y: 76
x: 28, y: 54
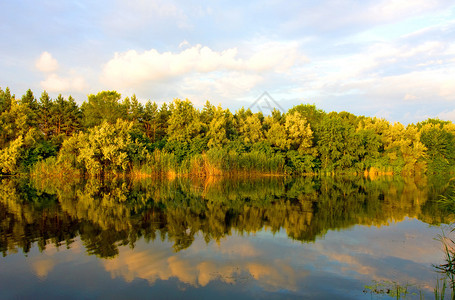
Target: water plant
x: 447, y: 269
x: 390, y: 288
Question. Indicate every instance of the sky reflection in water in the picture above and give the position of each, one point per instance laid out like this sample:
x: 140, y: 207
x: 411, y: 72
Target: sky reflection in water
x: 263, y: 262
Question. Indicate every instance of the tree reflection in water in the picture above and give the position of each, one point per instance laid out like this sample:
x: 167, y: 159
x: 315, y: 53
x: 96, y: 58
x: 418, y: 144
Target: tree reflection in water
x: 108, y: 214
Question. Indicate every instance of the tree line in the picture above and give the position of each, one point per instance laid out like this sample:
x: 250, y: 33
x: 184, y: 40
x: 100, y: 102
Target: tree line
x: 108, y: 134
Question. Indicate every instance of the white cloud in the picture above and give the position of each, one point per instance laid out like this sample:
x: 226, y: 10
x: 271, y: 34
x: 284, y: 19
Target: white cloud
x: 55, y: 83
x: 200, y: 65
x: 71, y: 82
x: 424, y: 86
x: 420, y: 85
x: 277, y: 56
x: 46, y: 63
x: 184, y: 44
x: 409, y: 97
x: 213, y: 87
x: 447, y: 115
x: 387, y: 70
x: 133, y: 68
x: 428, y: 48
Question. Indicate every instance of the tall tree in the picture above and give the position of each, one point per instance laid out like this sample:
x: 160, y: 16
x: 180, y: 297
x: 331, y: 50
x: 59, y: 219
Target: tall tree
x: 29, y: 100
x: 104, y: 106
x: 28, y: 111
x: 59, y: 115
x: 338, y: 144
x: 219, y: 128
x: 136, y: 112
x: 276, y: 134
x: 10, y: 156
x: 6, y: 117
x: 440, y: 144
x: 249, y: 126
x: 313, y: 115
x: 184, y: 123
x: 206, y: 116
x: 5, y: 100
x: 150, y: 120
x: 73, y: 117
x: 45, y: 109
x: 300, y: 135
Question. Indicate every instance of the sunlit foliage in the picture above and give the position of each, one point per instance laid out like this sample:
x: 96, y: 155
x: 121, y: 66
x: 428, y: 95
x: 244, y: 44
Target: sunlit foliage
x: 111, y: 135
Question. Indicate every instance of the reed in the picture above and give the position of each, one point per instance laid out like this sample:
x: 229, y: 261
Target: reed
x: 448, y: 267
x: 52, y: 168
x: 440, y: 290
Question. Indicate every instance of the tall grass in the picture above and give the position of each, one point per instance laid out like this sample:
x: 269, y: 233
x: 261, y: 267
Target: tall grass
x: 53, y: 168
x: 213, y: 162
x: 230, y: 161
x: 216, y: 161
x: 448, y: 267
x: 440, y: 290
x: 157, y: 163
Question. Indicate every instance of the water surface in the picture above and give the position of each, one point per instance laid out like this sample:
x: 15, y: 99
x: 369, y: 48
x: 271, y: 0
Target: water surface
x: 274, y: 238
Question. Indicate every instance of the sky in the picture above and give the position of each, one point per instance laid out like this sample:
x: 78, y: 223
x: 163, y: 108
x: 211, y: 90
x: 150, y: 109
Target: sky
x: 392, y: 59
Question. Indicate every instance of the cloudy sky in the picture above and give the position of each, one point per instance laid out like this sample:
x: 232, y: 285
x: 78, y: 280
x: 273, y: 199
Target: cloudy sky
x: 387, y: 58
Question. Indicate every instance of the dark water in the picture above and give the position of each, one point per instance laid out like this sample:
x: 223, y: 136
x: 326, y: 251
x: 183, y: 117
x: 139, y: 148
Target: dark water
x: 271, y: 238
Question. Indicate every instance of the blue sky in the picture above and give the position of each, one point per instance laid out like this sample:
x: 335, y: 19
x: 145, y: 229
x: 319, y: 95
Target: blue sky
x: 387, y: 58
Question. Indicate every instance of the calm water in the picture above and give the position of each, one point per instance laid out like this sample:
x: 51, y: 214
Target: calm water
x: 268, y: 238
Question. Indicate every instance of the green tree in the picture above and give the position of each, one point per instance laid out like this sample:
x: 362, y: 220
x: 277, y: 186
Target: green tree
x: 59, y: 115
x: 339, y: 145
x: 440, y: 144
x: 403, y: 149
x: 73, y: 117
x: 313, y: 116
x: 29, y: 100
x: 136, y: 111
x: 7, y: 131
x: 413, y: 151
x: 105, y: 148
x: 249, y: 126
x: 45, y: 109
x: 184, y: 123
x: 219, y: 128
x: 150, y: 120
x: 276, y: 134
x: 208, y: 112
x: 164, y: 115
x: 19, y: 119
x: 66, y: 116
x: 5, y: 100
x: 26, y: 113
x: 11, y: 155
x: 104, y: 106
x: 300, y: 135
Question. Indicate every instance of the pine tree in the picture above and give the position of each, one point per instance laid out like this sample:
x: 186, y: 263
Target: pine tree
x: 45, y: 108
x: 5, y: 100
x: 73, y: 117
x: 150, y: 120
